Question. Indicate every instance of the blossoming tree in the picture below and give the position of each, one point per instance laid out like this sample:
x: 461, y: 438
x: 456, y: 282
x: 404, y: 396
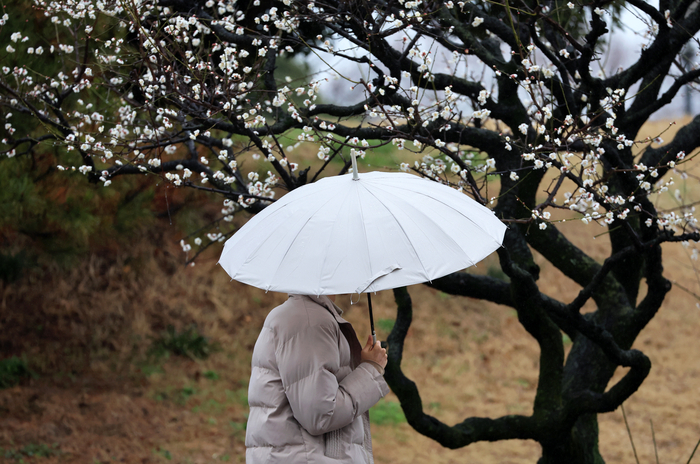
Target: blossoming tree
x: 190, y: 93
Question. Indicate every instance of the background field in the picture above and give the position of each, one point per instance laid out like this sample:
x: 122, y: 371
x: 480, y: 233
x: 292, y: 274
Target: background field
x: 99, y: 394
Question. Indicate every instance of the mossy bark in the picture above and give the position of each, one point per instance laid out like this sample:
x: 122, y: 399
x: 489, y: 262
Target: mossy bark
x: 578, y: 446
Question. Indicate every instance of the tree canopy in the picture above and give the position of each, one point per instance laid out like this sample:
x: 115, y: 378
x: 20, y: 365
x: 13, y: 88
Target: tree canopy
x: 508, y: 102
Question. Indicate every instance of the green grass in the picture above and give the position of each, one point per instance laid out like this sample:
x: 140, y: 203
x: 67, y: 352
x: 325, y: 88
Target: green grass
x: 163, y: 453
x: 12, y: 265
x: 178, y: 396
x: 239, y: 396
x: 32, y: 450
x: 211, y: 375
x: 210, y: 406
x: 189, y: 343
x: 238, y: 428
x: 385, y: 325
x: 435, y: 406
x: 12, y: 371
x: 386, y: 413
x: 523, y: 382
x: 148, y: 369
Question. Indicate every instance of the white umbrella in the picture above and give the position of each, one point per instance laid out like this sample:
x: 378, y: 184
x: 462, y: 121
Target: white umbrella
x: 357, y: 234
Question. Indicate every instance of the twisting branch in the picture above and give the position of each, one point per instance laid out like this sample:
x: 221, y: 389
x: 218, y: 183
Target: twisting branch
x: 595, y: 283
x: 468, y: 431
x: 529, y: 305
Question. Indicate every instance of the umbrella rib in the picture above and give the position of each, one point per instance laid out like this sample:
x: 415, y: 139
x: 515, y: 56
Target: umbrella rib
x: 325, y: 258
x: 425, y: 272
x: 301, y: 229
x: 470, y: 261
x: 263, y: 215
x: 466, y: 216
x: 364, y: 229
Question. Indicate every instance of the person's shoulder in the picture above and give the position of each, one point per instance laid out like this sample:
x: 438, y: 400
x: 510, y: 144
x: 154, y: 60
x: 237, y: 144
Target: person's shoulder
x: 297, y: 314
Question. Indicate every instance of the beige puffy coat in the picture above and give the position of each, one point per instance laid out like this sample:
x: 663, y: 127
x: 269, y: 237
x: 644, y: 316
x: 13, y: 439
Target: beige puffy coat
x: 307, y: 403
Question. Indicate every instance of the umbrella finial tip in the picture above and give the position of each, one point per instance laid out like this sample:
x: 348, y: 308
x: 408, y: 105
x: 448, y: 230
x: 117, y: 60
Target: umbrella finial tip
x: 353, y: 156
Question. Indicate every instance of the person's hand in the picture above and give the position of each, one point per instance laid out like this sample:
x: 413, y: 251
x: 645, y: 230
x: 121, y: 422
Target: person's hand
x: 374, y: 352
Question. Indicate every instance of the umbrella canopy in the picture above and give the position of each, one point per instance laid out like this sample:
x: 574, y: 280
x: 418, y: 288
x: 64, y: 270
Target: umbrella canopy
x: 350, y: 234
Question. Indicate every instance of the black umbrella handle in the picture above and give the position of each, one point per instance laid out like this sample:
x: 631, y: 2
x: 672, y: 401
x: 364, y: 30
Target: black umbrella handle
x: 371, y: 319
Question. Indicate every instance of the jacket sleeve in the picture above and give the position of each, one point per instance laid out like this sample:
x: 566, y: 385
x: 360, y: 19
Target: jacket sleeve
x: 307, y: 363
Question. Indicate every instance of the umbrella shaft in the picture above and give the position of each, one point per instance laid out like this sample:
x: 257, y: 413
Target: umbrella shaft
x: 371, y: 318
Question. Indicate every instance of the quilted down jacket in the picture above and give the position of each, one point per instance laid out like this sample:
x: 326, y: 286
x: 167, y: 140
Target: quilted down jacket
x: 309, y: 394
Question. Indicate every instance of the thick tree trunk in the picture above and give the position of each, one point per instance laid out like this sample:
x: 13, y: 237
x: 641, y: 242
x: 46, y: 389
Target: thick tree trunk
x: 587, y: 369
x: 579, y: 446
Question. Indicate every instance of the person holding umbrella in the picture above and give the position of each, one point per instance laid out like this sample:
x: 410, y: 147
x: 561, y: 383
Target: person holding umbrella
x: 311, y: 387
x: 311, y: 383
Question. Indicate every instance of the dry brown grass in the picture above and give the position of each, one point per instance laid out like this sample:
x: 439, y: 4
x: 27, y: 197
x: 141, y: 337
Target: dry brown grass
x: 86, y: 331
